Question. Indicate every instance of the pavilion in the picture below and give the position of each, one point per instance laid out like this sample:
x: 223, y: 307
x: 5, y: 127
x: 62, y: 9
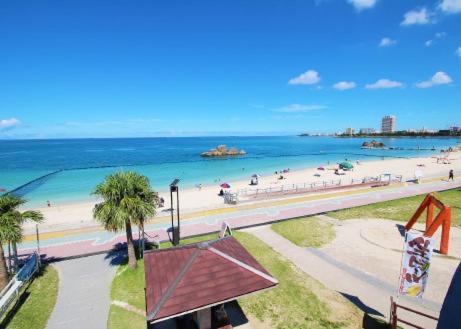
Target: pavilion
x: 191, y: 283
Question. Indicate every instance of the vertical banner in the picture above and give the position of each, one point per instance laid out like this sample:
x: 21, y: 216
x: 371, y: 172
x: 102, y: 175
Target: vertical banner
x: 416, y: 260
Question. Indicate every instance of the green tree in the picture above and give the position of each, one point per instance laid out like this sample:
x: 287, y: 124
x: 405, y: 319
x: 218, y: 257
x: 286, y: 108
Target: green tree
x: 127, y: 200
x: 11, y: 220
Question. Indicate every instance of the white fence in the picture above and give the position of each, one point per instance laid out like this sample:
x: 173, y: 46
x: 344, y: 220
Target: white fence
x: 11, y: 291
x: 315, y: 186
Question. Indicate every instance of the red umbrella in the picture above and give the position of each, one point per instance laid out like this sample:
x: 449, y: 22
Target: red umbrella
x: 225, y: 185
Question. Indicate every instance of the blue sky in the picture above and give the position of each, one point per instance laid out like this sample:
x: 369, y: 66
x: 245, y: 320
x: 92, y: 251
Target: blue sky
x: 168, y: 68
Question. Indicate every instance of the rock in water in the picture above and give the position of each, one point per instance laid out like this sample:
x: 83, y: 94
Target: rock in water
x: 223, y: 151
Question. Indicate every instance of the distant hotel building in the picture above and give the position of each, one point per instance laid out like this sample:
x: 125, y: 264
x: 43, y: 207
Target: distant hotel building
x: 367, y: 131
x: 349, y: 131
x: 388, y: 124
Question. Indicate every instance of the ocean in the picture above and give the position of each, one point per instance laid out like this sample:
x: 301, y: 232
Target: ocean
x: 75, y: 166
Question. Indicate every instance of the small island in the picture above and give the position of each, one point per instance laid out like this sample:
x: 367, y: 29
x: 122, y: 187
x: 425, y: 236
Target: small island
x: 373, y: 145
x: 223, y: 151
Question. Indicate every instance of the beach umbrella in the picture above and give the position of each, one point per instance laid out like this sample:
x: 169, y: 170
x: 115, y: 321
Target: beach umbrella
x: 346, y: 165
x: 225, y: 185
x: 255, y: 176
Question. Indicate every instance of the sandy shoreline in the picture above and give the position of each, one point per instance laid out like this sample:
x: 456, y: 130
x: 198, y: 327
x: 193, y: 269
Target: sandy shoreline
x: 74, y: 215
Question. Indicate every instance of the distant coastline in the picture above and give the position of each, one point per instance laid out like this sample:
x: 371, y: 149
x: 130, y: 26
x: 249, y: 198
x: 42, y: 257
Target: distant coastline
x: 440, y: 133
x: 379, y: 135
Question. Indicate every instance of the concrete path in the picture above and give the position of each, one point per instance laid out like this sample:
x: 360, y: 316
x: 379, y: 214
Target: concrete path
x: 368, y: 292
x: 84, y: 293
x: 375, y: 246
x: 94, y: 239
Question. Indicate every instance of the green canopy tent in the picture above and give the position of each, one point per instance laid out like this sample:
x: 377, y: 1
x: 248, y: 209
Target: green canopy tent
x: 346, y: 165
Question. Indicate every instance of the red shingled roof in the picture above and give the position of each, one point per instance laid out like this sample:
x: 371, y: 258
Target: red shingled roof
x: 184, y: 279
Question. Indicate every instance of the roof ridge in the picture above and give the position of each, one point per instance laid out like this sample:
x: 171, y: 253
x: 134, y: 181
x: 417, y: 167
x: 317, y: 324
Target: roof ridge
x: 242, y: 264
x: 189, y: 245
x: 174, y: 284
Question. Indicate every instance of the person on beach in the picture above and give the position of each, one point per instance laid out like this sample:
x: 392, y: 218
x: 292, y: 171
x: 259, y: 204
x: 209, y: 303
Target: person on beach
x: 451, y: 175
x: 48, y: 203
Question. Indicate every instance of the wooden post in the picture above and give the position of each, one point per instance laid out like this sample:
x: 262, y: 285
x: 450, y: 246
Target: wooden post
x: 429, y: 215
x: 445, y: 231
x: 393, y: 319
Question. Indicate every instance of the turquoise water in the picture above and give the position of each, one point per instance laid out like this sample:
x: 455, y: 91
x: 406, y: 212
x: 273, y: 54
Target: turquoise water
x: 85, y: 162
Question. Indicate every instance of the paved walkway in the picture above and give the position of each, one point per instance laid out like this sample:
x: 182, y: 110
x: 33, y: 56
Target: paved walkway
x: 84, y: 293
x: 368, y: 292
x: 94, y: 239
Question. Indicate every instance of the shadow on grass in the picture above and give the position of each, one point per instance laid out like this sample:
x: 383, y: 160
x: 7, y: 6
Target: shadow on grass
x: 16, y: 306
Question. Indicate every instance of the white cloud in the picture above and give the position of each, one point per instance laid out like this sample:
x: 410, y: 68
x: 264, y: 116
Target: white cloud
x: 344, y: 85
x: 384, y: 84
x: 440, y: 35
x: 5, y: 123
x: 419, y: 17
x: 362, y: 4
x: 450, y: 6
x: 387, y: 42
x: 458, y: 52
x: 299, y: 108
x: 439, y: 78
x: 310, y: 77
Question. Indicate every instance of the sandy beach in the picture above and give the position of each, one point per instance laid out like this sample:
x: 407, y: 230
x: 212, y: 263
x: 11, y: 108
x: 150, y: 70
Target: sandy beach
x: 75, y: 215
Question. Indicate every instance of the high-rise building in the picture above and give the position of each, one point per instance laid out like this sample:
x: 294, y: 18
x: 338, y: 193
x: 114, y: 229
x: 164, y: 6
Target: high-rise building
x: 388, y: 124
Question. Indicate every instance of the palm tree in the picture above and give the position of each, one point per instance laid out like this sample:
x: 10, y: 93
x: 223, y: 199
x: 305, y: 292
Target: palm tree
x: 11, y: 220
x: 127, y: 199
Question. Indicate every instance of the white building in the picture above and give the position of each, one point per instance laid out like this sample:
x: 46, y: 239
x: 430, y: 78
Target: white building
x: 367, y: 131
x: 388, y: 124
x: 349, y: 131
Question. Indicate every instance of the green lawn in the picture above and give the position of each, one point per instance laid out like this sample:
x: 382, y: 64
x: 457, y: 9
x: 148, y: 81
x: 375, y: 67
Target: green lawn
x: 121, y: 319
x: 36, y: 303
x: 298, y: 302
x: 306, y: 232
x: 402, y: 209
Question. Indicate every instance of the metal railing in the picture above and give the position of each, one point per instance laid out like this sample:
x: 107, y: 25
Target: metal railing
x: 394, y: 319
x: 12, y: 289
x: 315, y: 186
